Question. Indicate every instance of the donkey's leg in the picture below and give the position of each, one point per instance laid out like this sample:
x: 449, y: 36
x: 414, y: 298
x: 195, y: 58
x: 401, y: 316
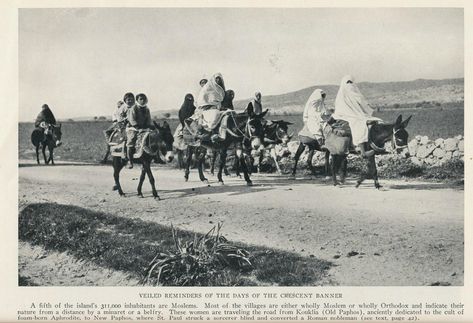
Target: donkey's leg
x: 200, y: 165
x: 327, y: 163
x: 374, y: 171
x: 260, y: 161
x: 363, y: 174
x: 221, y: 166
x: 190, y: 151
x: 236, y: 162
x: 309, y: 160
x: 213, y: 158
x: 343, y: 176
x: 298, y: 154
x: 43, y: 148
x: 275, y: 158
x: 37, y: 154
x: 147, y: 167
x: 51, y: 155
x: 117, y: 167
x: 336, y: 159
x: 142, y: 179
x: 244, y: 167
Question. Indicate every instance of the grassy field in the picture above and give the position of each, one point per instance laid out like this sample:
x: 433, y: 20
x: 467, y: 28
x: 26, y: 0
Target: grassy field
x: 84, y: 140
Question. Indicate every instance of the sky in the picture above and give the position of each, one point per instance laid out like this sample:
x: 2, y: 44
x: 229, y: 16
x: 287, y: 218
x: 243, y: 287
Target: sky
x: 82, y: 61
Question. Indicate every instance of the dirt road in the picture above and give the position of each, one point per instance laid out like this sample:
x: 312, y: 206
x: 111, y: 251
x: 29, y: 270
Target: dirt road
x: 410, y: 233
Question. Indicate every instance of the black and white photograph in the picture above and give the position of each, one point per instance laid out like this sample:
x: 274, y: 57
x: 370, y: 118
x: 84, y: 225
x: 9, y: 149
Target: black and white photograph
x: 241, y: 146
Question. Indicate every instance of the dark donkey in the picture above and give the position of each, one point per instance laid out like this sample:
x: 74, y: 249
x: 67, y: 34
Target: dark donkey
x: 244, y: 131
x: 313, y: 145
x: 51, y: 138
x: 378, y: 135
x: 275, y: 133
x: 159, y: 142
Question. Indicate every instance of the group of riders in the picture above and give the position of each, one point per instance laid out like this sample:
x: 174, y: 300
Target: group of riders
x: 209, y: 114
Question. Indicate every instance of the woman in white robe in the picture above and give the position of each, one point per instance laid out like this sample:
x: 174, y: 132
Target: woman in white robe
x: 351, y: 106
x: 315, y: 116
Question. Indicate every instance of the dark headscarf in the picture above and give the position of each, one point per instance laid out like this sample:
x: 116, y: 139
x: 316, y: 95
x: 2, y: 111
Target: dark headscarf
x: 45, y: 115
x: 127, y: 95
x: 227, y: 102
x: 187, y: 108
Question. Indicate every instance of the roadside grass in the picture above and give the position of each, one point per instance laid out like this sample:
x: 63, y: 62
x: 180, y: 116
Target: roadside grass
x: 131, y: 244
x: 396, y: 167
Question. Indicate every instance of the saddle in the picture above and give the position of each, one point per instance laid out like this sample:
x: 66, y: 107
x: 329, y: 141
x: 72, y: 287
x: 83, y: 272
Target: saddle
x: 118, y: 142
x: 200, y: 130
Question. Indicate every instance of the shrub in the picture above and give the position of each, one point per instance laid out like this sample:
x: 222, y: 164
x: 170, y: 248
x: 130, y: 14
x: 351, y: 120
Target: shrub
x: 452, y: 169
x: 399, y: 167
x: 199, y: 262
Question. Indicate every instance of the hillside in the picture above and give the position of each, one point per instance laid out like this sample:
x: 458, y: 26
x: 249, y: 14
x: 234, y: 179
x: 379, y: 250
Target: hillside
x: 378, y: 94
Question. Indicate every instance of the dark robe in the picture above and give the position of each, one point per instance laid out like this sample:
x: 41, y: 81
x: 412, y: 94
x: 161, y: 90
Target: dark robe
x: 254, y: 107
x: 45, y: 115
x: 187, y: 109
x: 227, y: 102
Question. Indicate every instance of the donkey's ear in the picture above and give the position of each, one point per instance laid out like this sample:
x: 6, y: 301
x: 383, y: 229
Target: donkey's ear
x: 398, y: 121
x: 405, y: 122
x: 156, y: 124
x: 263, y: 113
x: 165, y: 124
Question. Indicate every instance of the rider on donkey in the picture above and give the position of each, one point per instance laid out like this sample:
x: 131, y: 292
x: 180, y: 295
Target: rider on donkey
x: 351, y: 106
x: 139, y: 117
x: 315, y: 117
x: 44, y: 119
x: 209, y: 102
x: 118, y: 120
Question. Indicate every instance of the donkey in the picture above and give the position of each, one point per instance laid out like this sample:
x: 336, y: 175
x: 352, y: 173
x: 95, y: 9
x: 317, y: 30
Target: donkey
x: 158, y: 142
x: 51, y: 138
x: 378, y: 136
x: 243, y: 130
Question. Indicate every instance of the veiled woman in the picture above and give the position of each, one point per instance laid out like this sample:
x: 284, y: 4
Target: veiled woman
x: 351, y: 106
x: 315, y: 116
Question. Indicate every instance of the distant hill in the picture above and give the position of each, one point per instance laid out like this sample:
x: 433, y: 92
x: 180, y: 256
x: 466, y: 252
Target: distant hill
x: 378, y: 94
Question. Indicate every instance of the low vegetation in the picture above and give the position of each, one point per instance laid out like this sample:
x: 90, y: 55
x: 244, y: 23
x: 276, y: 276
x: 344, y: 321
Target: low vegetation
x: 142, y: 249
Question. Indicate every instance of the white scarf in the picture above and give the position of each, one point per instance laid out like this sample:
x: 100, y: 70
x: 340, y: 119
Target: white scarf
x: 211, y: 93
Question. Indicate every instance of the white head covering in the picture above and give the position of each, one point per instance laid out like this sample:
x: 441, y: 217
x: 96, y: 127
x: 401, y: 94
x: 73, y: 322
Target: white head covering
x: 350, y: 103
x: 211, y: 93
x: 315, y: 103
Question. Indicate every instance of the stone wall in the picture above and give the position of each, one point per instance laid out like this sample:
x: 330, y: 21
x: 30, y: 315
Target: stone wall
x: 436, y: 152
x: 423, y: 151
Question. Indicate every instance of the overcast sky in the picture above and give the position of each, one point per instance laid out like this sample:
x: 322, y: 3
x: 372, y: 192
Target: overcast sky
x: 81, y: 61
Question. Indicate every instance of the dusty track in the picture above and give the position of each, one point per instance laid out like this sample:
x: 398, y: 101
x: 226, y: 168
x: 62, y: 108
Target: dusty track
x: 410, y: 233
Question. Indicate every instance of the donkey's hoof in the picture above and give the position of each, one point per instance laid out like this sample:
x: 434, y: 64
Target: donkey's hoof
x: 357, y: 184
x: 205, y: 181
x: 114, y: 188
x: 121, y: 194
x: 249, y: 183
x: 140, y: 195
x: 378, y: 186
x: 157, y: 198
x: 336, y: 183
x: 221, y: 183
